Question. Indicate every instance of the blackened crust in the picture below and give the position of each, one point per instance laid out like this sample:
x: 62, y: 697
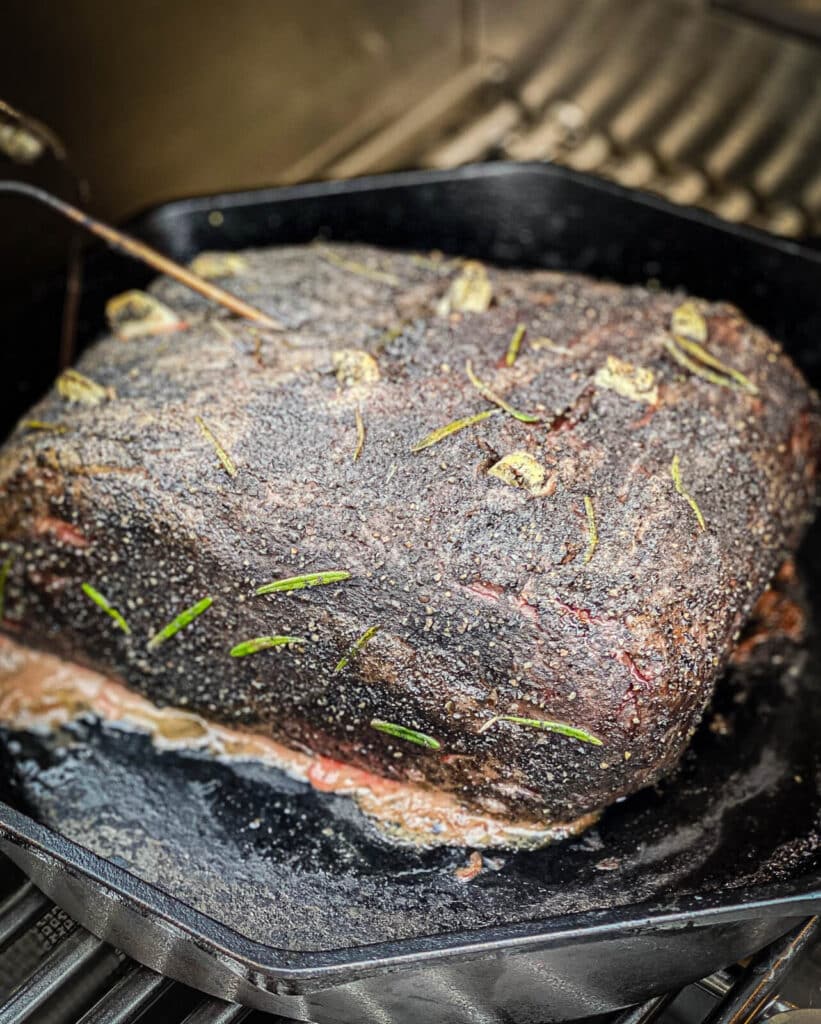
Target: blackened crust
x: 486, y: 602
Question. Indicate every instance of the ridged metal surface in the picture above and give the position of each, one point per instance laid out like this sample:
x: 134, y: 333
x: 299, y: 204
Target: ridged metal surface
x: 60, y: 987
x: 763, y: 976
x: 137, y: 990
x: 52, y: 971
x: 68, y: 960
x: 693, y: 103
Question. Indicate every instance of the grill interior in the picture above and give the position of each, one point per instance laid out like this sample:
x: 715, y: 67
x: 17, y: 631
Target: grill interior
x: 677, y: 98
x: 680, y: 99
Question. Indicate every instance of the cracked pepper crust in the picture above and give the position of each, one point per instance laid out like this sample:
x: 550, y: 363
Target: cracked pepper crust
x: 492, y: 599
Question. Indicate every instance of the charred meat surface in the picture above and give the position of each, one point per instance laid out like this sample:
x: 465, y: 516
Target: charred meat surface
x: 523, y: 514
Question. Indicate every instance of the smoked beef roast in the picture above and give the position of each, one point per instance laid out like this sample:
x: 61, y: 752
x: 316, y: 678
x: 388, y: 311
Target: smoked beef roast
x: 489, y: 532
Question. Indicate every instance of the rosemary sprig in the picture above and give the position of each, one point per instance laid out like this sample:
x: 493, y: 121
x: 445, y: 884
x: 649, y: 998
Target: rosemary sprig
x: 675, y: 473
x: 688, y: 322
x: 575, y: 732
x: 550, y: 345
x: 592, y: 531
x: 356, y: 646
x: 101, y: 602
x: 435, y: 436
x: 56, y: 428
x: 699, y: 353
x: 515, y: 344
x: 180, y: 622
x: 354, y: 267
x: 263, y: 643
x: 689, y: 331
x: 360, y: 433
x: 311, y: 579
x: 402, y: 732
x: 5, y: 569
x: 222, y: 454
x: 684, y: 360
x: 491, y: 396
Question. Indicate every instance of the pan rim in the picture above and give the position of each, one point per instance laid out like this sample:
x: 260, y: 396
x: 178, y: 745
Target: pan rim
x: 346, y: 964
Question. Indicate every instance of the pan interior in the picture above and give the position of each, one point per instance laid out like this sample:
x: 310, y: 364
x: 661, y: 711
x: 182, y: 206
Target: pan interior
x: 283, y: 864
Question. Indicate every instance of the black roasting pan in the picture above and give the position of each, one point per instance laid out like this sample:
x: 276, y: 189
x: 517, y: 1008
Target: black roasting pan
x: 252, y: 887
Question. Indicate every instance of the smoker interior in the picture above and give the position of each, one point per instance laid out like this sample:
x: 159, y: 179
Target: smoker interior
x: 738, y: 824
x: 690, y: 118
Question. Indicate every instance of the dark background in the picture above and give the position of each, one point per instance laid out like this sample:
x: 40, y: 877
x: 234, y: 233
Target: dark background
x: 157, y: 100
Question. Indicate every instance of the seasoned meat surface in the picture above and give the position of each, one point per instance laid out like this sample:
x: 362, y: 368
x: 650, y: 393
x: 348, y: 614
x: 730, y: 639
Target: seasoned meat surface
x: 591, y: 569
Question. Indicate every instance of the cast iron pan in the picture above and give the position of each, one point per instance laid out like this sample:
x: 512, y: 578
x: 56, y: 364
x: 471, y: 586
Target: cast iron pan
x: 242, y: 882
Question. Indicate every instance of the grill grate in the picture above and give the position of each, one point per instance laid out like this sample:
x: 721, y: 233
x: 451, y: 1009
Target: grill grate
x: 677, y: 98
x: 71, y: 977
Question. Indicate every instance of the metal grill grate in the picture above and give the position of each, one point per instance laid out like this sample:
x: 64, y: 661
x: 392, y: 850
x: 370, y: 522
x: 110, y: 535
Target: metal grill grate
x: 673, y: 97
x: 54, y: 972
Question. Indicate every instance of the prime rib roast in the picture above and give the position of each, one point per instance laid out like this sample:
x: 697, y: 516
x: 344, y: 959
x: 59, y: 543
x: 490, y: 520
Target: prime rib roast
x: 521, y: 516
